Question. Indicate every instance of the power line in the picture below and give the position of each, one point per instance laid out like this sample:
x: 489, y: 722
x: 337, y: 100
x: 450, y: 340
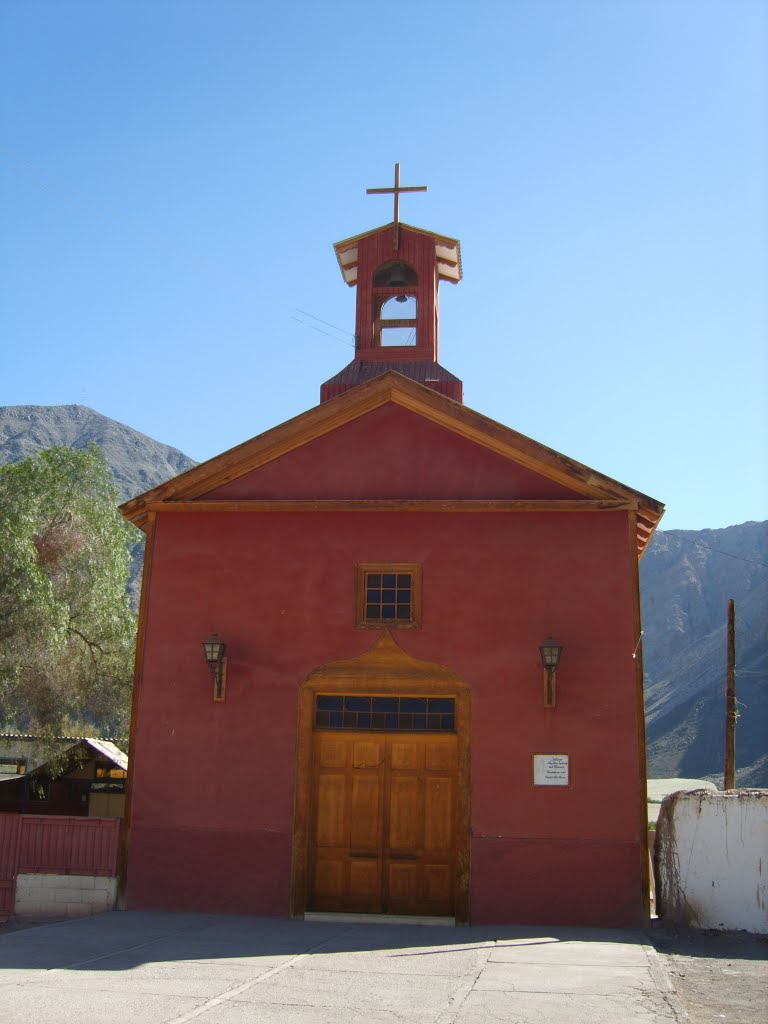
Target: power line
x: 304, y: 311
x: 719, y: 551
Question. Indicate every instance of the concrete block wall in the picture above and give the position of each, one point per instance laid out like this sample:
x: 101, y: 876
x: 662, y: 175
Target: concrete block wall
x: 64, y: 895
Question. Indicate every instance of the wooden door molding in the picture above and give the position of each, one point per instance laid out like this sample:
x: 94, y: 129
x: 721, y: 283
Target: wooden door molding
x: 384, y: 669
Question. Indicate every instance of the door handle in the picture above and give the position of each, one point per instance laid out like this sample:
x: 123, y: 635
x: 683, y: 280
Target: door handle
x: 367, y: 856
x: 403, y: 856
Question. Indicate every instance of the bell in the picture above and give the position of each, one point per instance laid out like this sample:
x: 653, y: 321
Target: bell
x: 398, y: 276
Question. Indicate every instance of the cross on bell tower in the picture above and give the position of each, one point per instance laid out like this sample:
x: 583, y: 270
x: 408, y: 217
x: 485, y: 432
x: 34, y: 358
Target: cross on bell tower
x: 396, y: 191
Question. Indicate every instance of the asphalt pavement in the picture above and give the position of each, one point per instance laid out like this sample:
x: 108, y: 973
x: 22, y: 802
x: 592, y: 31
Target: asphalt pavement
x: 152, y: 968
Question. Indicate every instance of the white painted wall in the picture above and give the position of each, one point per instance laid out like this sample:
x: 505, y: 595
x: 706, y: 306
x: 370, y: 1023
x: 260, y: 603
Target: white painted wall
x: 712, y: 859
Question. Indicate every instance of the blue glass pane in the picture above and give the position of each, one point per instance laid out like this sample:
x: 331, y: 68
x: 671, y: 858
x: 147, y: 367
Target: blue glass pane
x: 350, y: 719
x: 372, y: 596
x: 378, y: 720
x: 388, y: 579
x: 335, y: 722
x: 363, y: 720
x: 388, y: 596
x: 388, y: 611
x: 391, y: 722
x: 357, y: 703
x: 329, y: 703
x: 385, y: 703
x: 449, y: 723
x: 433, y: 722
x: 441, y: 705
x: 404, y: 612
x: 373, y: 579
x: 413, y: 704
x: 372, y: 611
x: 404, y: 579
x: 406, y: 720
x: 419, y: 721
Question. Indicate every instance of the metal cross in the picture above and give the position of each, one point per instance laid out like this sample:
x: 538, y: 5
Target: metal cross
x: 396, y: 190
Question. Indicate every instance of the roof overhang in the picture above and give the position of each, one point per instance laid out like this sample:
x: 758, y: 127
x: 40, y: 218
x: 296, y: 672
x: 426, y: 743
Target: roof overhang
x: 447, y: 253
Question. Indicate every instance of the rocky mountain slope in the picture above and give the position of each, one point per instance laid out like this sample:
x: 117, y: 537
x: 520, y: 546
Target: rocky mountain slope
x: 687, y: 577
x: 137, y: 461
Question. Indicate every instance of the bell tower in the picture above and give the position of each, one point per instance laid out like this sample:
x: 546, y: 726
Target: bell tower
x: 397, y: 271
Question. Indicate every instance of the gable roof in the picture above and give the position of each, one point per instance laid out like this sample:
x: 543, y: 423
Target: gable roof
x: 38, y: 758
x: 393, y: 387
x: 447, y: 253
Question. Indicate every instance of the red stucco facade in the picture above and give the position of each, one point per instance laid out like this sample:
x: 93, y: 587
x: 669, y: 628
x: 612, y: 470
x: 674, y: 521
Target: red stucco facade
x: 213, y: 783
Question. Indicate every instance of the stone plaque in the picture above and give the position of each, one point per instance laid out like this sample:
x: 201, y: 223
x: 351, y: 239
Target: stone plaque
x: 550, y: 770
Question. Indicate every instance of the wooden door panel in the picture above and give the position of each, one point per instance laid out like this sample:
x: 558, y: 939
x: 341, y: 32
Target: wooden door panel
x: 403, y: 886
x: 365, y: 880
x: 438, y: 813
x: 329, y: 881
x: 406, y: 755
x: 367, y: 754
x: 437, y: 884
x: 440, y: 754
x: 331, y: 810
x: 365, y: 813
x: 332, y: 751
x: 406, y: 813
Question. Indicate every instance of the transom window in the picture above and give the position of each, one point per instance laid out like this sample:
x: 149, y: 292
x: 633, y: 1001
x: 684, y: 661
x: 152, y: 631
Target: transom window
x: 388, y: 595
x: 387, y: 714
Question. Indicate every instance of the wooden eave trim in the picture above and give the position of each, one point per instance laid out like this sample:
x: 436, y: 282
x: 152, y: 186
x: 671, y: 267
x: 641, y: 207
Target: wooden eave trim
x: 364, y: 398
x: 396, y: 505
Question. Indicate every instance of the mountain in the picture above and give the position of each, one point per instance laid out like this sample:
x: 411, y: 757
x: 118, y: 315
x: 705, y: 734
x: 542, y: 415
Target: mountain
x: 137, y: 461
x: 687, y: 577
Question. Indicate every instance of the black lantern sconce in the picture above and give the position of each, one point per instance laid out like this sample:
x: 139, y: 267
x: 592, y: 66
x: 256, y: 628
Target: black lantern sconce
x: 214, y: 648
x: 550, y: 651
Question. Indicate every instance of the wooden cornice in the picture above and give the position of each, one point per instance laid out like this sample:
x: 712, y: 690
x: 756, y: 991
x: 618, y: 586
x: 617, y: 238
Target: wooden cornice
x: 395, y: 505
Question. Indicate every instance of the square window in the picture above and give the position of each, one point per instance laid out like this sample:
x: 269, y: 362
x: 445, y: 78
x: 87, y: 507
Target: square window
x: 388, y: 596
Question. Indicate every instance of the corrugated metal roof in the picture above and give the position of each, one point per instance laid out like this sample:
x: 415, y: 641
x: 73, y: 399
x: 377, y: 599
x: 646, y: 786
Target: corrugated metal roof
x: 109, y: 750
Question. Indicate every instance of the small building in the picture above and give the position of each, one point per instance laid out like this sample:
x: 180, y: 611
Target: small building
x: 423, y: 635
x: 86, y: 776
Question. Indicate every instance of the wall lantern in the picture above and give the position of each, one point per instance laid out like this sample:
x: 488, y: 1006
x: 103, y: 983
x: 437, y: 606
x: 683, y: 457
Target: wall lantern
x: 214, y: 648
x: 550, y: 651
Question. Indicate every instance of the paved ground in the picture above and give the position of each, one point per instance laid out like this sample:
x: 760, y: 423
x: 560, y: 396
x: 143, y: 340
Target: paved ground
x: 132, y: 968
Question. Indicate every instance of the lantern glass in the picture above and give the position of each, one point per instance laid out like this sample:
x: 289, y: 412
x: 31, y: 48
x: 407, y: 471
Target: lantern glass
x: 214, y: 649
x: 550, y: 652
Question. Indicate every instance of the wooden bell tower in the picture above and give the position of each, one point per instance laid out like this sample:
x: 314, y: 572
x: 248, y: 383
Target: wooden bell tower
x: 397, y: 270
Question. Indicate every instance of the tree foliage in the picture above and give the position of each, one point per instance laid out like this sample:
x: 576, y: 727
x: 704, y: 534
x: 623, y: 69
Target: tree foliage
x: 67, y: 631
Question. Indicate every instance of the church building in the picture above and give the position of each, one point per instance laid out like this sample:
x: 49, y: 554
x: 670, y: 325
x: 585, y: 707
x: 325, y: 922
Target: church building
x: 388, y: 658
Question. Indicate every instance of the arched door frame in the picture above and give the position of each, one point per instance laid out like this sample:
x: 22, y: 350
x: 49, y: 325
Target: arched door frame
x: 384, y: 669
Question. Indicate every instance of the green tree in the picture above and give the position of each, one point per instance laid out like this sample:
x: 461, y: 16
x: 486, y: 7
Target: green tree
x: 67, y: 631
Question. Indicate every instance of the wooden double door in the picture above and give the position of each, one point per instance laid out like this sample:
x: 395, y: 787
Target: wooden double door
x: 383, y: 825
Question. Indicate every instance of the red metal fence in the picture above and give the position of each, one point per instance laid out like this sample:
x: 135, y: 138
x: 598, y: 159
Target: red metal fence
x: 9, y: 852
x: 52, y: 845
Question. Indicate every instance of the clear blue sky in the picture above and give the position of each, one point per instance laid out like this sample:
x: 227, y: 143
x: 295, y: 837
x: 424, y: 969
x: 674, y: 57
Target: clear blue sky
x: 174, y: 174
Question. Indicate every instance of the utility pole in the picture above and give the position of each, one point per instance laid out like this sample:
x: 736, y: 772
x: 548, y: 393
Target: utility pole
x: 729, y: 772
